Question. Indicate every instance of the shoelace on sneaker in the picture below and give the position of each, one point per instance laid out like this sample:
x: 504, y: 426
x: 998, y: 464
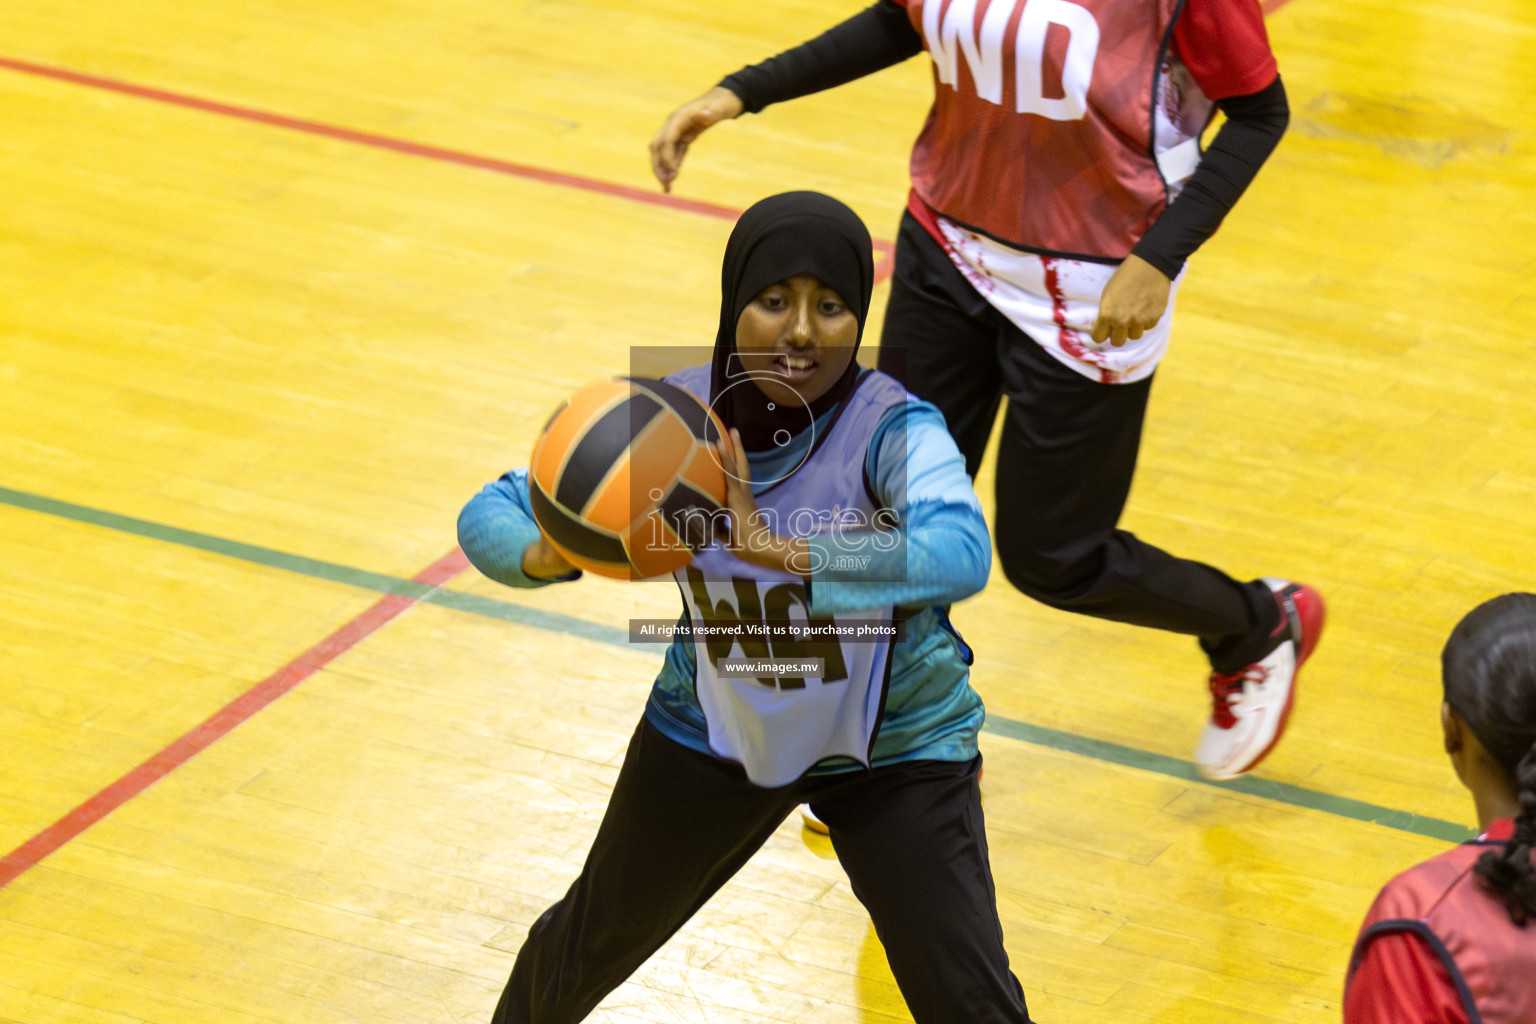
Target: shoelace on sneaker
x: 1227, y: 689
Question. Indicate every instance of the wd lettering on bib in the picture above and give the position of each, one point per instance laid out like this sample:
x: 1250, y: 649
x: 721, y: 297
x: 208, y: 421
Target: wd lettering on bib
x: 1056, y: 88
x: 1059, y: 127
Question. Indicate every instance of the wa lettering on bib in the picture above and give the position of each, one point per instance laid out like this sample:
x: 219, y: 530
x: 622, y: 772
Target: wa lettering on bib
x: 767, y: 626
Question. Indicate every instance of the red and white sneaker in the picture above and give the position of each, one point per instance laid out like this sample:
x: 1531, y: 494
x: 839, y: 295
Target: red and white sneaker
x: 1250, y: 707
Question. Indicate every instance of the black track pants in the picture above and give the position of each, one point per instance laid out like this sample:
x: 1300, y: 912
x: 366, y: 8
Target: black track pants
x: 1064, y: 465
x: 681, y: 823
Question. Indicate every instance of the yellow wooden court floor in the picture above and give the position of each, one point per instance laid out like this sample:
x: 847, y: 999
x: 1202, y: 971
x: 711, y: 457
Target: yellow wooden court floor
x: 282, y: 284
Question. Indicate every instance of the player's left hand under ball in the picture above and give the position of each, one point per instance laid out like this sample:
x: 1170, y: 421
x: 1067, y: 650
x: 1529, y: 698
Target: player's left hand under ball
x: 542, y: 562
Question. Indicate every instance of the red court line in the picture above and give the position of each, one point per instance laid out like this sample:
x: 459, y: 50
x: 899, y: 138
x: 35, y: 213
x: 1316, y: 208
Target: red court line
x: 884, y: 262
x: 369, y: 139
x: 28, y: 854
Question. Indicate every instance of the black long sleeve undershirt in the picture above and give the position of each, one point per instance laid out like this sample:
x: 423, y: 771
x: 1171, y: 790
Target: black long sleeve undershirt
x: 1254, y: 124
x: 876, y: 38
x: 881, y: 36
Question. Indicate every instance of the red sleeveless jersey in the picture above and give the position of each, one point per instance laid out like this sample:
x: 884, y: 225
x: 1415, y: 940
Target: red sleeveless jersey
x: 1490, y: 961
x: 1048, y: 118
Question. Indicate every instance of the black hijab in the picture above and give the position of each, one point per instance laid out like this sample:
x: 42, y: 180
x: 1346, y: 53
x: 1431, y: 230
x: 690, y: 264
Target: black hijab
x: 779, y: 237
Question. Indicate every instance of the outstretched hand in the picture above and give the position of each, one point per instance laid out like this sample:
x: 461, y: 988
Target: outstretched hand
x: 685, y: 124
x: 1133, y: 302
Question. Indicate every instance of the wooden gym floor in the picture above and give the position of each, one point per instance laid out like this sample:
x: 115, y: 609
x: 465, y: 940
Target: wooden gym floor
x: 284, y: 283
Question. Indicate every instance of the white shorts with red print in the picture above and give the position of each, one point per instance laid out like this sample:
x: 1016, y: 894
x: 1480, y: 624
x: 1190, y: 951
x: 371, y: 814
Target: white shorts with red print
x: 1055, y: 301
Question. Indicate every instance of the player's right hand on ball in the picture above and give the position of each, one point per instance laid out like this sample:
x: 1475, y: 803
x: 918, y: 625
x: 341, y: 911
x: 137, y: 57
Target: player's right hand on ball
x: 685, y: 124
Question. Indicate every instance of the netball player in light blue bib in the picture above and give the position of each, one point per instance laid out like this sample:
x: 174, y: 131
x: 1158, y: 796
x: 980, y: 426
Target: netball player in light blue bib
x: 821, y: 665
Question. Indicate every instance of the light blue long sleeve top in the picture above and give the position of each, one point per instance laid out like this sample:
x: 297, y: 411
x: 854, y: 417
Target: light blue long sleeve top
x: 931, y: 712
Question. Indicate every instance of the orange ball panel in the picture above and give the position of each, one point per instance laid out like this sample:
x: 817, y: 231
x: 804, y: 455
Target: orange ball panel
x: 650, y: 465
x: 621, y: 512
x: 565, y: 428
x: 613, y: 570
x: 610, y: 508
x: 703, y: 470
x: 654, y: 549
x: 657, y: 454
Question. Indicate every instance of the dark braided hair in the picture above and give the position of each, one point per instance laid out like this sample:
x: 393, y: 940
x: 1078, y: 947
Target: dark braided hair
x: 1489, y: 669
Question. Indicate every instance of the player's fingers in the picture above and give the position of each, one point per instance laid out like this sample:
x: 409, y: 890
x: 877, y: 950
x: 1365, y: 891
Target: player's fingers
x: 743, y: 469
x: 667, y: 149
x: 1142, y: 324
x: 724, y: 527
x: 727, y: 461
x: 671, y: 143
x: 1109, y: 328
x: 663, y: 159
x: 738, y: 474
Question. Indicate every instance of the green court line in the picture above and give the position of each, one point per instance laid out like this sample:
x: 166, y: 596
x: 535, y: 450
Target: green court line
x: 490, y: 608
x: 505, y: 611
x: 217, y: 545
x: 1268, y: 789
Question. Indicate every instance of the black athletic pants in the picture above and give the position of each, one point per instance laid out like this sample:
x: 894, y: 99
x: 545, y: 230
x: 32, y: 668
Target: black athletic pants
x: 680, y: 824
x: 1064, y: 463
